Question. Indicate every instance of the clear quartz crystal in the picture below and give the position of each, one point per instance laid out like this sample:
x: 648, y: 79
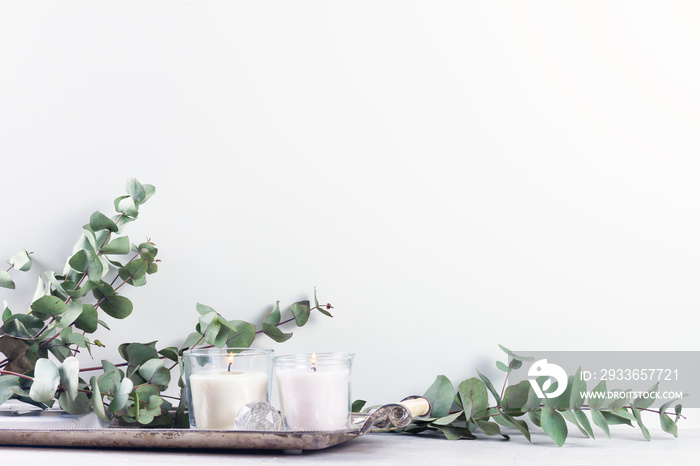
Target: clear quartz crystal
x: 259, y: 416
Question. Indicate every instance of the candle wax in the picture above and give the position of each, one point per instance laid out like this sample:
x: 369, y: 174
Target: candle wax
x: 314, y: 400
x: 218, y: 396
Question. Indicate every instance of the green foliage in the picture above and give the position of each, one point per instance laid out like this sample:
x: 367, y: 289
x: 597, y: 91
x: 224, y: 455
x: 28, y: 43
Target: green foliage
x: 460, y: 414
x: 69, y: 307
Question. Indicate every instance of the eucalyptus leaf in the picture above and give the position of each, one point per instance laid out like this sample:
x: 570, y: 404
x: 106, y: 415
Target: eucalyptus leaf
x: 55, y: 285
x: 244, y: 335
x: 117, y: 246
x: 646, y: 399
x: 95, y: 269
x: 584, y: 422
x: 638, y: 416
x: 6, y: 384
x: 137, y: 354
x: 68, y: 371
x: 275, y: 333
x: 22, y: 326
x: 357, y: 406
x: 40, y: 289
x: 440, y: 394
x: 502, y: 366
x: 598, y: 400
x: 170, y: 352
x: 518, y: 424
x: 121, y: 396
x: 449, y: 419
x: 668, y: 425
x: 80, y: 405
x: 115, y: 306
x: 99, y: 221
x: 301, y: 312
x: 192, y: 339
x: 135, y: 190
x: 570, y: 416
x: 46, y: 379
x: 150, y: 190
x: 21, y: 261
x: 274, y: 317
x: 134, y: 270
x: 127, y: 206
x: 578, y: 390
x: 490, y: 386
x: 600, y: 421
x: 79, y: 260
x: 6, y: 280
x: 6, y: 313
x: 455, y: 433
x: 154, y: 372
x: 48, y: 306
x: 75, y: 309
x: 97, y: 403
x: 515, y: 356
x: 515, y: 396
x: 554, y: 425
x: 474, y: 397
x: 489, y: 428
x: 615, y: 419
x: 87, y: 321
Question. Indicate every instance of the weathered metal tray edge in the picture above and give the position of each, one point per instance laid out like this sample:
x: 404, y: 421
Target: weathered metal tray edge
x: 176, y: 438
x: 129, y: 438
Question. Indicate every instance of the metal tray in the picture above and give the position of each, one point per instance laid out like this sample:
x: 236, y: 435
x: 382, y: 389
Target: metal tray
x: 113, y: 437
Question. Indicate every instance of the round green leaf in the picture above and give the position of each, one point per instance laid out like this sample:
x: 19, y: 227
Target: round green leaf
x: 68, y: 371
x: 6, y: 382
x: 87, y: 321
x: 80, y: 405
x: 79, y: 261
x: 6, y: 280
x: 99, y: 221
x: 117, y: 246
x: 46, y: 379
x: 474, y: 396
x: 440, y: 394
x: 22, y: 326
x: 154, y: 372
x: 115, y: 306
x: 21, y: 261
x: 135, y: 190
x: 301, y: 312
x: 48, y: 306
x: 121, y: 396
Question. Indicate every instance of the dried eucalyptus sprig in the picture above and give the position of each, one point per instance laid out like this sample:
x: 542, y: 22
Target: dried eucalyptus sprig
x: 66, y: 309
x: 458, y: 415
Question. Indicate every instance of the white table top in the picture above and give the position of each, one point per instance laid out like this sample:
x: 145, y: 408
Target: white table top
x: 626, y: 447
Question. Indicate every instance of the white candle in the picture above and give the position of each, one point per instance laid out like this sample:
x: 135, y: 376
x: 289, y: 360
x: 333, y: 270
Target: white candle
x: 314, y: 400
x: 217, y: 396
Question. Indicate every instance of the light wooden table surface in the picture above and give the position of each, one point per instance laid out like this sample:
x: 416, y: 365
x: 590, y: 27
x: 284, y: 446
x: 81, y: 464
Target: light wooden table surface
x: 626, y: 447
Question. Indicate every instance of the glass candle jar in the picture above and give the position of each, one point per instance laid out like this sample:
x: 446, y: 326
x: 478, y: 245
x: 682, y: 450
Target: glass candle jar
x: 314, y: 390
x: 221, y: 381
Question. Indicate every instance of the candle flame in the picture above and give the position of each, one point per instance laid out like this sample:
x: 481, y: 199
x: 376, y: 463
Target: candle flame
x: 313, y: 362
x: 229, y: 360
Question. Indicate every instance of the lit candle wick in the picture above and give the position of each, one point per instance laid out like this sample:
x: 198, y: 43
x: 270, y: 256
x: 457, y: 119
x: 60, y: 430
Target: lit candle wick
x: 230, y: 361
x: 313, y: 362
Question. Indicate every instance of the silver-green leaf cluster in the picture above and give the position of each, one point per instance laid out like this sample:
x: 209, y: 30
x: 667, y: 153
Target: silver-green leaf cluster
x: 39, y: 347
x: 463, y: 413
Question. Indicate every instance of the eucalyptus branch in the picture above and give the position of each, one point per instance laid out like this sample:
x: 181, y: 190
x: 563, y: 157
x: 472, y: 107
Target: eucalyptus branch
x: 459, y: 415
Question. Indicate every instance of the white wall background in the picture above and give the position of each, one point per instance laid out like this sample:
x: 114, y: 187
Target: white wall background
x: 450, y: 175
